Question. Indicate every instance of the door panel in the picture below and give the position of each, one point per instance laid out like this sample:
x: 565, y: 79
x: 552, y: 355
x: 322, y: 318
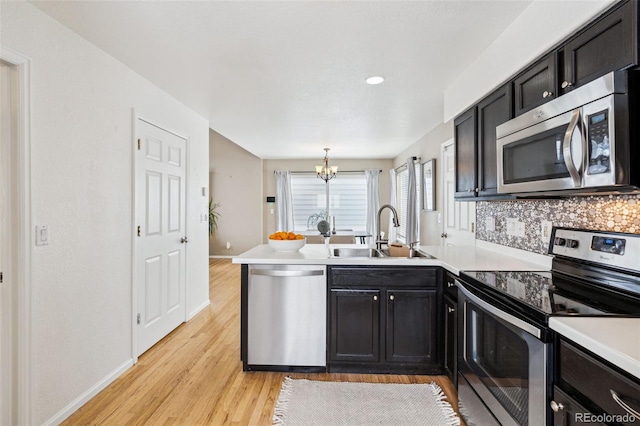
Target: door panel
x: 459, y: 217
x: 160, y: 248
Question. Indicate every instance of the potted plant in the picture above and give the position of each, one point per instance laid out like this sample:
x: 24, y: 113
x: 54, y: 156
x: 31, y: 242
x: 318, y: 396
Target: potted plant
x: 213, y: 217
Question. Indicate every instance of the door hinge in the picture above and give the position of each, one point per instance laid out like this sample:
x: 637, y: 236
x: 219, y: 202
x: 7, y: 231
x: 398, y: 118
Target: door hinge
x: 138, y: 230
x: 138, y: 144
x: 138, y: 319
x: 1, y: 277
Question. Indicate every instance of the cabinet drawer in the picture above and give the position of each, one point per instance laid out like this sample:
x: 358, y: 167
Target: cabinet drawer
x: 595, y: 380
x: 381, y: 276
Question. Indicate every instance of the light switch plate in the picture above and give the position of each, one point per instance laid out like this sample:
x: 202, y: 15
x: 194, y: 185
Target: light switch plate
x: 490, y: 224
x: 545, y: 231
x: 42, y: 235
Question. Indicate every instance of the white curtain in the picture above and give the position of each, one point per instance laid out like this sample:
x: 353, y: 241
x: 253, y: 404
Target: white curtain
x: 373, y: 202
x: 413, y: 225
x: 284, y: 204
x: 393, y: 235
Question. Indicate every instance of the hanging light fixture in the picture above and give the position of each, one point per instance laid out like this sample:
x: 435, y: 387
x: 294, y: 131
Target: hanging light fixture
x: 326, y: 172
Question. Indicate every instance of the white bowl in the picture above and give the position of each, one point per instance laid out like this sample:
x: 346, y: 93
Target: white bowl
x: 287, y: 245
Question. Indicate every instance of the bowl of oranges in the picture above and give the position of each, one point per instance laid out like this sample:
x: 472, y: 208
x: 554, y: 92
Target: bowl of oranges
x: 286, y: 241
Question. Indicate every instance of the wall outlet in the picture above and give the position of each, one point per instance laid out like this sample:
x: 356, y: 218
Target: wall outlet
x: 490, y: 224
x: 228, y: 245
x: 515, y: 228
x: 545, y: 231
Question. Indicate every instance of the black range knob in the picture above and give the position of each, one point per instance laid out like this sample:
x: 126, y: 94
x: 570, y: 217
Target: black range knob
x: 560, y: 241
x: 572, y: 243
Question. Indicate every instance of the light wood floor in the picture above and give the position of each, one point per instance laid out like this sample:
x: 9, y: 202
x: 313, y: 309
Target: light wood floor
x: 194, y: 375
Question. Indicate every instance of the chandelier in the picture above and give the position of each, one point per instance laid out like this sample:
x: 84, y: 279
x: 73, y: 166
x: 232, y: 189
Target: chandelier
x: 326, y: 172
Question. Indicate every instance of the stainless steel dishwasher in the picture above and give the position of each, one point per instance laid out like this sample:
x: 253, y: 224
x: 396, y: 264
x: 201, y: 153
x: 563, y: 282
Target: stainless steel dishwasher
x: 286, y: 316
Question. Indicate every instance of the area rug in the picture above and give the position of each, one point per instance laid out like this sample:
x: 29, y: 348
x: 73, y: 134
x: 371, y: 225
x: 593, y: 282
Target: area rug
x: 307, y: 402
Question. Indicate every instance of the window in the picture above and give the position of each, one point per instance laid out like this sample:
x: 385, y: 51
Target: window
x: 402, y: 195
x: 344, y: 197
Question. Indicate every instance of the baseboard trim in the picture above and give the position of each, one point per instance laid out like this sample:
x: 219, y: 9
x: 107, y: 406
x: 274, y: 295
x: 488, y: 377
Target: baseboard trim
x: 197, y: 310
x: 218, y: 256
x: 90, y: 393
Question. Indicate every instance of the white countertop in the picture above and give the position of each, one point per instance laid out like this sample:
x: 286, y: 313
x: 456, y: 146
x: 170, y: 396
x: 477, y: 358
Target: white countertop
x: 615, y: 339
x: 454, y: 259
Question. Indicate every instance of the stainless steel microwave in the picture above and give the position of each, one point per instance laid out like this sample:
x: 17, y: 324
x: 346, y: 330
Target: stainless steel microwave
x: 583, y: 141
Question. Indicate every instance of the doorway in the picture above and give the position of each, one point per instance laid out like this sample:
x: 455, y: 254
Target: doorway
x: 459, y: 216
x: 15, y: 248
x: 160, y: 235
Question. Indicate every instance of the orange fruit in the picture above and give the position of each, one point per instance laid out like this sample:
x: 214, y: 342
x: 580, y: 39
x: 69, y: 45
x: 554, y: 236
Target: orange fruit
x: 291, y: 236
x: 299, y: 237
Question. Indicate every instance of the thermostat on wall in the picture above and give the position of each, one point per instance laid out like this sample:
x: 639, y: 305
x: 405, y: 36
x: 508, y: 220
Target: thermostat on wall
x: 271, y: 199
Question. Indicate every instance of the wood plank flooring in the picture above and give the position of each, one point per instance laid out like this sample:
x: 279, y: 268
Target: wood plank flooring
x: 194, y: 375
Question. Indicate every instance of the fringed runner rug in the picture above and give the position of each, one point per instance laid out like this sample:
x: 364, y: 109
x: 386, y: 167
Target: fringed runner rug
x: 307, y: 402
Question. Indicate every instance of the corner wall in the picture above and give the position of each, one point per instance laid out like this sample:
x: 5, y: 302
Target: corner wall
x: 82, y: 188
x: 236, y: 183
x: 428, y: 147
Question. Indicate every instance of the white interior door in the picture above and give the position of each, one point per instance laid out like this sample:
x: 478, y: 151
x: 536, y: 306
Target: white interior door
x: 459, y: 216
x: 161, y: 242
x: 7, y: 293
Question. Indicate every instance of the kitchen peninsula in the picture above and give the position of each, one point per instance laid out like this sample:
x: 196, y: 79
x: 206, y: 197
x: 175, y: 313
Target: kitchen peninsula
x: 313, y: 310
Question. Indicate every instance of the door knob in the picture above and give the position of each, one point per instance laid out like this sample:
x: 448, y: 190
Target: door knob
x: 443, y: 235
x: 184, y: 240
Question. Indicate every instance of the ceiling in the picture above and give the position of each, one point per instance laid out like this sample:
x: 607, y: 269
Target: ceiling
x: 284, y: 79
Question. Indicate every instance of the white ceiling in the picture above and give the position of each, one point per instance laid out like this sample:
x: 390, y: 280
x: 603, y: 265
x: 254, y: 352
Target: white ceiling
x: 284, y: 79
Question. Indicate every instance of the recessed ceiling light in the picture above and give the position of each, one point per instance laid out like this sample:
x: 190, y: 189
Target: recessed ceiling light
x: 375, y: 79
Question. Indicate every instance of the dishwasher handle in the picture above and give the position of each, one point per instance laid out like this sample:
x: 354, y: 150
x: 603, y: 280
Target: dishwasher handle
x: 287, y: 273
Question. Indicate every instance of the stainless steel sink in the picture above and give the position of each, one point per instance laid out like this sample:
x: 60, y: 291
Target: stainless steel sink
x: 413, y: 253
x: 357, y: 252
x: 372, y: 252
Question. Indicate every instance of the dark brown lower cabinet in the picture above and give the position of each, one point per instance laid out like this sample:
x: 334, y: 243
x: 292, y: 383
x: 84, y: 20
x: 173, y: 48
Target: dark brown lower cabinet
x: 384, y: 320
x: 568, y: 412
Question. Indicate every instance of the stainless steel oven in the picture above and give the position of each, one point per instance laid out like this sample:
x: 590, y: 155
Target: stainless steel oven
x: 505, y: 346
x: 579, y: 142
x: 503, y: 364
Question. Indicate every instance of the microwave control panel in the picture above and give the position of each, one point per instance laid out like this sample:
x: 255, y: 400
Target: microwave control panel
x: 600, y: 143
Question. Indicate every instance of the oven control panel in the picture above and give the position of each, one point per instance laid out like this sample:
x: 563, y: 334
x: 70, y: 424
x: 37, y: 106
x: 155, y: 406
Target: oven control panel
x: 607, y: 248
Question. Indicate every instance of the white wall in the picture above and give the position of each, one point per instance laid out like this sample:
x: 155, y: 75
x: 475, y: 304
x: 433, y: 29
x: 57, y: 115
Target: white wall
x: 542, y: 25
x: 81, y: 183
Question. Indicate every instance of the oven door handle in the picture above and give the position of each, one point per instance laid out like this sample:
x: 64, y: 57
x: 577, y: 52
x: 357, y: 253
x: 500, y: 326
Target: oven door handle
x: 516, y: 322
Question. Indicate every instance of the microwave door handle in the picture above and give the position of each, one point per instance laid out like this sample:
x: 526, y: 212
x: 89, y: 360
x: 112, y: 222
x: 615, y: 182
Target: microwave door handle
x: 574, y: 123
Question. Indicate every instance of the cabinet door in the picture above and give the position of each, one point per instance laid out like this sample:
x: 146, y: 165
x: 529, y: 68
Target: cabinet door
x: 411, y: 326
x: 568, y: 412
x: 608, y: 45
x: 450, y: 340
x: 536, y: 85
x: 494, y: 110
x: 354, y: 325
x: 466, y: 154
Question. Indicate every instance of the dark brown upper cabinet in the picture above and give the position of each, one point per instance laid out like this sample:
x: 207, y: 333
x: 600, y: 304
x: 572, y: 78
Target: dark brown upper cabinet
x: 466, y: 154
x: 475, y: 145
x: 536, y: 85
x: 609, y: 44
x: 493, y: 110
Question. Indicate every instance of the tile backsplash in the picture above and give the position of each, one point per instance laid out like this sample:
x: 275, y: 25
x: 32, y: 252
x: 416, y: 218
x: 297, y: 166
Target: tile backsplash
x: 619, y: 213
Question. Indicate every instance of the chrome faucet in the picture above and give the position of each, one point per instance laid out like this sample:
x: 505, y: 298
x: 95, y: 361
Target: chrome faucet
x: 379, y: 240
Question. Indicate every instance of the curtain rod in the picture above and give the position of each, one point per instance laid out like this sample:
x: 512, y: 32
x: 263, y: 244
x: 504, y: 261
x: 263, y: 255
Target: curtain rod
x: 404, y: 166
x: 298, y: 172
